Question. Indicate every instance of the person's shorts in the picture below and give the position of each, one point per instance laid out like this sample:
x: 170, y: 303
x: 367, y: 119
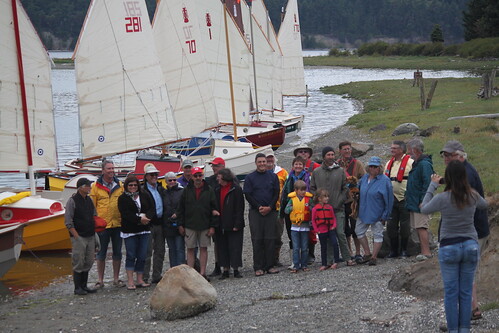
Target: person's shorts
x: 196, y: 238
x: 377, y: 229
x: 419, y: 220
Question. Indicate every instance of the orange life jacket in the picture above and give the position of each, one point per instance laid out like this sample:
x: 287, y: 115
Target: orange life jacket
x: 326, y: 216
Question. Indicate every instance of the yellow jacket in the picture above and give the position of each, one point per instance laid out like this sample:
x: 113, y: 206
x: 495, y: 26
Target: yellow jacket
x: 106, y: 202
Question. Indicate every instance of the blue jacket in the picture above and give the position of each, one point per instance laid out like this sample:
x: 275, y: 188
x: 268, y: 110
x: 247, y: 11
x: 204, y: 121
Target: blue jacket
x: 376, y: 199
x: 418, y: 182
x: 480, y: 219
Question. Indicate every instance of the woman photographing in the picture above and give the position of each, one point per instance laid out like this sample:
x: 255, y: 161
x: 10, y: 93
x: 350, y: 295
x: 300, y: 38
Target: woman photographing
x: 459, y: 254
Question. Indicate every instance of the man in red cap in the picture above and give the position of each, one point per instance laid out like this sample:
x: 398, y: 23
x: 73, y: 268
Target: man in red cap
x: 197, y: 218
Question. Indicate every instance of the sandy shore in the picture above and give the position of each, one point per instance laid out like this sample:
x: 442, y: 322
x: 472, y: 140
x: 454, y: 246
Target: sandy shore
x: 349, y: 299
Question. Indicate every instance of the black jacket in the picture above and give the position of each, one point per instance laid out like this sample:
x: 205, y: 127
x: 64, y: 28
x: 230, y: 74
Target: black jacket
x: 130, y: 219
x: 232, y: 215
x: 171, y: 199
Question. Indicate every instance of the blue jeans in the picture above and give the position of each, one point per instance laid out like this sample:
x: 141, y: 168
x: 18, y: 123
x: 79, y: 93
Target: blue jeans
x: 113, y: 235
x: 323, y: 239
x: 176, y: 250
x: 300, y: 248
x: 457, y: 264
x: 136, y: 252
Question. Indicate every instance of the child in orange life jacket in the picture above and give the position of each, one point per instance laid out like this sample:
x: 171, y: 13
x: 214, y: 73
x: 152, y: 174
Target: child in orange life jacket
x: 324, y: 223
x: 299, y: 208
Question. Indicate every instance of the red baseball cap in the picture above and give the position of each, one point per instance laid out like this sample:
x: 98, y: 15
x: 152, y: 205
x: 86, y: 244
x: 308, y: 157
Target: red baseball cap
x: 218, y: 161
x: 197, y: 170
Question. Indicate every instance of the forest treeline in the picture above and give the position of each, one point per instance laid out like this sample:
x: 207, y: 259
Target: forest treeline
x: 351, y: 22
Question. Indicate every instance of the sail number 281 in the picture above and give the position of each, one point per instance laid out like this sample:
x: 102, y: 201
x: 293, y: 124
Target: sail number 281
x: 133, y: 19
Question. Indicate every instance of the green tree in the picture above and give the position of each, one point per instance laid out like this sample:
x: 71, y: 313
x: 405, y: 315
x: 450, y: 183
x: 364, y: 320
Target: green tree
x: 437, y: 36
x: 481, y: 19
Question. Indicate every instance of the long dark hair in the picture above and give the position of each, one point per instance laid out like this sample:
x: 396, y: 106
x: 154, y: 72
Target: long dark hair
x: 456, y: 182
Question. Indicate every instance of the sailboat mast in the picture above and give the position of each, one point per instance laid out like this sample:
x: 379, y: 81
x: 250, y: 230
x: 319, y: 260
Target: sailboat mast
x: 27, y: 134
x: 231, y: 85
x: 250, y: 4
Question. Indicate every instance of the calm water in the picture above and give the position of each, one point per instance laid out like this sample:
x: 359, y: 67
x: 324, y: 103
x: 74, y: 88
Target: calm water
x: 329, y: 111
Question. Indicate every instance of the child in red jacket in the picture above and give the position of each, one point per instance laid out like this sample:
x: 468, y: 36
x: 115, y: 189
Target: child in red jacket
x: 324, y: 223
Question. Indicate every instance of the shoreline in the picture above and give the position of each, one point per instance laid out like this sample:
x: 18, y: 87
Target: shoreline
x: 345, y: 300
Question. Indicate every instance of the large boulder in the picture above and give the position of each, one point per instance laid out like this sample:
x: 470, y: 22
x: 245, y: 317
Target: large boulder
x: 405, y: 128
x: 360, y: 149
x: 181, y: 293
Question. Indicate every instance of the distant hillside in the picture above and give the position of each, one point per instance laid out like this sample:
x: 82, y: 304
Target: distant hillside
x: 344, y: 21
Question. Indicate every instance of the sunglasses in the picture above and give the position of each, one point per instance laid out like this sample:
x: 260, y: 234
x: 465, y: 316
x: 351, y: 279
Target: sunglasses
x: 374, y: 166
x: 302, y: 151
x: 133, y: 185
x: 198, y: 175
x: 172, y: 180
x: 154, y: 174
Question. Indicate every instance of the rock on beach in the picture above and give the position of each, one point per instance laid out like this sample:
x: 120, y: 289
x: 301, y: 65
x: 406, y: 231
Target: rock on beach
x: 181, y: 293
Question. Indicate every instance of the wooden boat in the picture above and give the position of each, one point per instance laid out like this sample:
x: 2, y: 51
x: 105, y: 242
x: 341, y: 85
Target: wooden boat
x: 11, y: 240
x: 43, y: 219
x: 127, y: 102
x: 207, y: 72
x: 27, y: 134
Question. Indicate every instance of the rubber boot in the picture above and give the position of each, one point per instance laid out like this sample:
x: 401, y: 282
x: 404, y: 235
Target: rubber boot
x: 77, y: 277
x: 84, y: 281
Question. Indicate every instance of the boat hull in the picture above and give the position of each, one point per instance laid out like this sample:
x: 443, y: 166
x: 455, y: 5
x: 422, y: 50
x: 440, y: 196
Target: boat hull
x: 11, y: 239
x: 43, y: 220
x: 47, y: 234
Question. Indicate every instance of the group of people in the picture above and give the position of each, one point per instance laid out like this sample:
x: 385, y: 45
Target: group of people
x: 338, y: 200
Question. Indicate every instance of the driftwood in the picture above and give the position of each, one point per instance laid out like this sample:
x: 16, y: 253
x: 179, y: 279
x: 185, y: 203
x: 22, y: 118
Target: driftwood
x: 430, y: 94
x: 489, y: 115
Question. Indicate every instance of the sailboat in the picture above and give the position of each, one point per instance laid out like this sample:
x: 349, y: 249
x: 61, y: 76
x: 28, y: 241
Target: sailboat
x: 27, y: 129
x: 192, y: 47
x: 269, y: 49
x: 125, y: 103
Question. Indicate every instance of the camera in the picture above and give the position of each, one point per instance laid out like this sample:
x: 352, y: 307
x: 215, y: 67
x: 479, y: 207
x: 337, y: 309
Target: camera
x: 441, y: 181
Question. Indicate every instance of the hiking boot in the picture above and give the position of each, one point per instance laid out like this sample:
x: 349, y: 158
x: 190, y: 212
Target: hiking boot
x: 216, y: 271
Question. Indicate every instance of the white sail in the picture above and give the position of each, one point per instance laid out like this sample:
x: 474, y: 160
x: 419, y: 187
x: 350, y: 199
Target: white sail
x: 37, y: 81
x: 261, y: 15
x: 289, y: 37
x: 123, y: 101
x: 211, y: 20
x: 182, y: 55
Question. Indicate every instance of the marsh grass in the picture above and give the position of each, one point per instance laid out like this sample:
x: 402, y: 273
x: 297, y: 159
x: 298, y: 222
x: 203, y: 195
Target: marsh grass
x: 405, y: 62
x: 394, y: 102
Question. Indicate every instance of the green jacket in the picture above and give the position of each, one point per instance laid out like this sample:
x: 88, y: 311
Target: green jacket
x: 418, y: 182
x: 335, y: 181
x: 196, y: 214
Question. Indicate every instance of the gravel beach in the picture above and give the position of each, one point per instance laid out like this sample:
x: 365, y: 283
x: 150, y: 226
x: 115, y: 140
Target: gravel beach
x: 348, y: 299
